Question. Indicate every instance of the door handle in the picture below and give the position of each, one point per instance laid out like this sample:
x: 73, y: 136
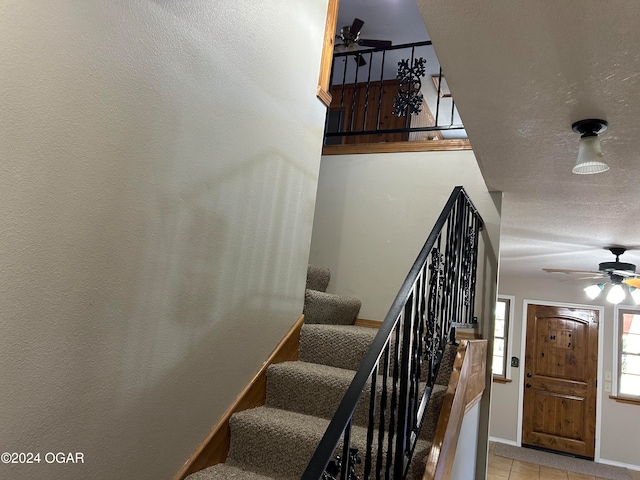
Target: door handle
x: 528, y: 385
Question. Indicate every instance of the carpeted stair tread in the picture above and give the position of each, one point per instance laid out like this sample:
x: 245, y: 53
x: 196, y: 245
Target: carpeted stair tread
x: 224, y: 471
x: 342, y: 346
x: 279, y: 443
x: 309, y: 388
x: 318, y: 278
x: 322, y: 307
x: 275, y: 442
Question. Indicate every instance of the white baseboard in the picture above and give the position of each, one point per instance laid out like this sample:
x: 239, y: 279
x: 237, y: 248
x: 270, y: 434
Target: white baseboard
x: 619, y: 464
x: 503, y: 440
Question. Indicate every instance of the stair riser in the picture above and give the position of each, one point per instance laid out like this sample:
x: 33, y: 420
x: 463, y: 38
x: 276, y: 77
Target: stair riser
x: 318, y: 278
x: 280, y: 452
x: 331, y: 346
x: 320, y: 396
x: 327, y: 308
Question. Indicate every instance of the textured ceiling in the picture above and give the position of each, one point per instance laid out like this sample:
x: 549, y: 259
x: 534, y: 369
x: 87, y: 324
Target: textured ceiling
x: 521, y: 73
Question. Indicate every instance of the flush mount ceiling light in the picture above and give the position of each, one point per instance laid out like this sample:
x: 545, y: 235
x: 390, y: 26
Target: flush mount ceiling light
x: 590, y: 158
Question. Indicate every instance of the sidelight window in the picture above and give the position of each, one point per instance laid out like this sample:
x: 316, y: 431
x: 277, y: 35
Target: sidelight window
x: 499, y: 366
x: 628, y: 353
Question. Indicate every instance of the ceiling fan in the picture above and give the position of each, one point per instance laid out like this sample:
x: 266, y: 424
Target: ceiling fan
x: 350, y: 36
x: 611, y: 272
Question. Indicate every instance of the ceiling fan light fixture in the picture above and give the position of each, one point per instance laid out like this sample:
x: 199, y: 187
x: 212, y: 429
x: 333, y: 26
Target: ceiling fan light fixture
x: 590, y: 159
x: 616, y: 294
x: 593, y: 291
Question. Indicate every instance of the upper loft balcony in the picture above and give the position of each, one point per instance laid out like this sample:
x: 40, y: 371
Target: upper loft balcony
x: 388, y: 95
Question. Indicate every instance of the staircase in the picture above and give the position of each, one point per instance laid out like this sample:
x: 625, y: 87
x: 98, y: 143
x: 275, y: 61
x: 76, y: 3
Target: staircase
x: 276, y: 440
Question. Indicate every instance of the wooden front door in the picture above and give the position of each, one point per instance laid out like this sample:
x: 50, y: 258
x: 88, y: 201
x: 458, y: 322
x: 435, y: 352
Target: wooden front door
x: 561, y: 364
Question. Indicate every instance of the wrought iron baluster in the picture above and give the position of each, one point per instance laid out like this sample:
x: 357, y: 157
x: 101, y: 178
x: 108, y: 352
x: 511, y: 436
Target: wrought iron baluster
x: 448, y: 273
x: 436, y: 119
x: 344, y: 474
x: 434, y: 324
x: 341, y: 116
x: 459, y: 232
x: 419, y: 342
x: 366, y: 99
x: 458, y: 263
x: 383, y: 409
x: 353, y: 99
x: 380, y: 91
x: 394, y: 398
x: 453, y: 108
x: 414, y: 366
x: 371, y: 422
x: 407, y: 117
x: 403, y: 400
x: 477, y: 228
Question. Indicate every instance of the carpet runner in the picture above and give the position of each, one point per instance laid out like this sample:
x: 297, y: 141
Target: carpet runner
x: 276, y: 441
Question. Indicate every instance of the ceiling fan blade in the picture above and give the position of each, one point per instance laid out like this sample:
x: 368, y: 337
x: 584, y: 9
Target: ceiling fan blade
x: 623, y: 273
x: 374, y: 43
x: 356, y: 26
x: 632, y: 282
x: 360, y: 60
x: 569, y: 271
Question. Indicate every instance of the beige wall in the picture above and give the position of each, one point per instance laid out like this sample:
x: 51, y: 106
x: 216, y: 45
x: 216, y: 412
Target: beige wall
x: 158, y: 171
x: 619, y: 435
x: 374, y: 212
x: 373, y: 215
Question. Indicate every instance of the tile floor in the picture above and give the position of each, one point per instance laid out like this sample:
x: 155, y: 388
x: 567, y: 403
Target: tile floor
x: 501, y: 468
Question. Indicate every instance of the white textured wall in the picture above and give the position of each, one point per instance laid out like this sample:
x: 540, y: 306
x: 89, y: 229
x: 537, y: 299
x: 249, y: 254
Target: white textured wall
x: 158, y: 171
x: 620, y: 423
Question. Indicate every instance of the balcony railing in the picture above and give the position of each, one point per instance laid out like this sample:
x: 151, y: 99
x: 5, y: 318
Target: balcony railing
x: 380, y: 95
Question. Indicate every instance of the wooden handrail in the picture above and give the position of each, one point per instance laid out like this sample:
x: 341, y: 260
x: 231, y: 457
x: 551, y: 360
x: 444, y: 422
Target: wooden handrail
x: 466, y: 386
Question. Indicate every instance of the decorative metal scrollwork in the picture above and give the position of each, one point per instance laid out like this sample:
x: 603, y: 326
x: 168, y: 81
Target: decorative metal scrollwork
x: 467, y: 265
x: 409, y: 97
x: 433, y: 333
x: 334, y: 467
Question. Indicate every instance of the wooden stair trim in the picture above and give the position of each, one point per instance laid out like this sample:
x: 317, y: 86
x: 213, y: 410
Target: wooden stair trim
x: 396, y: 147
x: 466, y: 386
x: 467, y: 334
x: 215, y: 447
